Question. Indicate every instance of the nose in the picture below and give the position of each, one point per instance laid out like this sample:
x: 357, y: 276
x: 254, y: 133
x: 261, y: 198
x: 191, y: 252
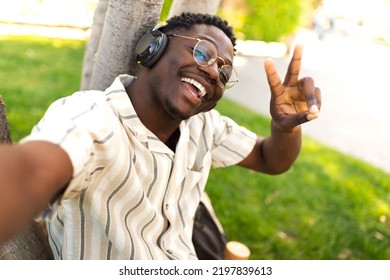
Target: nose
x: 212, y: 71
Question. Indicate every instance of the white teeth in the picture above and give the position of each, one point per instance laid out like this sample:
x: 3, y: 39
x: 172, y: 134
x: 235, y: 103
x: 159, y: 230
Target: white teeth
x: 201, y: 89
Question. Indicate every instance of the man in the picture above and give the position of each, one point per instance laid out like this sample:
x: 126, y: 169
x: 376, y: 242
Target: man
x: 123, y: 170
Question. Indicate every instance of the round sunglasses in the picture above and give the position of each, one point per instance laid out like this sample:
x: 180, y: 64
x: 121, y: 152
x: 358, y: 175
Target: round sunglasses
x: 205, y: 54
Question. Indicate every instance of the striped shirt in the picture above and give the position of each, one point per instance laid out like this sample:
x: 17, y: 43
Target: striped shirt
x: 131, y: 197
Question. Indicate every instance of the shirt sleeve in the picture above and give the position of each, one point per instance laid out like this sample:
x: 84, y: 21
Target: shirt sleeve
x: 231, y: 142
x: 74, y: 123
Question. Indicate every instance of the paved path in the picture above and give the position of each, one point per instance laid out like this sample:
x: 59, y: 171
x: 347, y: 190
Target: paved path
x: 353, y: 75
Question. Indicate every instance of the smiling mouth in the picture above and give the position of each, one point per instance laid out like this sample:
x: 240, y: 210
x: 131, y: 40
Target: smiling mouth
x: 200, y: 90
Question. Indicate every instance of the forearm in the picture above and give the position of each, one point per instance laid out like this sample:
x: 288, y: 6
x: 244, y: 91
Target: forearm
x: 16, y: 207
x: 31, y: 175
x: 280, y: 149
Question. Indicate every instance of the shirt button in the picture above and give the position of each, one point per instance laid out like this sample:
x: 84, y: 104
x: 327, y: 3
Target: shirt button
x: 166, y: 206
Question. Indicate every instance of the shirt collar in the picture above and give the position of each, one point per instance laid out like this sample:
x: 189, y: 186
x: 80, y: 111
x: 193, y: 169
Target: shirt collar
x: 122, y: 106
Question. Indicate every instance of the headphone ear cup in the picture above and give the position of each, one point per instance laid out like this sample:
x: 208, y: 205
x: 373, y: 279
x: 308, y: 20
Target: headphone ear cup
x: 151, y: 47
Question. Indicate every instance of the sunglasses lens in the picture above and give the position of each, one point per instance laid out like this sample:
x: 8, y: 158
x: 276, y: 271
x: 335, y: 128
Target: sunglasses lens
x: 204, y: 53
x: 228, y: 76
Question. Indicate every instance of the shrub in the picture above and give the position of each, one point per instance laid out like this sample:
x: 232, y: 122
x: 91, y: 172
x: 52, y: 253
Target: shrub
x: 265, y: 20
x: 270, y: 20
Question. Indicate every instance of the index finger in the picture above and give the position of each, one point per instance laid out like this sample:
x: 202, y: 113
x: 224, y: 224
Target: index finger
x: 294, y: 67
x: 274, y: 81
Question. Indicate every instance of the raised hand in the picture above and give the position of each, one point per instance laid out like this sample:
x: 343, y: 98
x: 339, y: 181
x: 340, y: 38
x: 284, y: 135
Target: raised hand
x: 295, y: 101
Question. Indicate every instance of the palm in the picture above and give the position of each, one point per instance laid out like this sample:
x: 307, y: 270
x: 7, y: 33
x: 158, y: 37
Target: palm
x: 287, y: 102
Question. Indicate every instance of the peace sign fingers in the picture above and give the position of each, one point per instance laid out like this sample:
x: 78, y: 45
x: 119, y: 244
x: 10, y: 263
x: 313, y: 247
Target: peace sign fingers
x: 276, y: 86
x: 294, y: 67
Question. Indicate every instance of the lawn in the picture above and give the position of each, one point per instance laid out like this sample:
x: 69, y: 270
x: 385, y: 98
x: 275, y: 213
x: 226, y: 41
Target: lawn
x: 327, y: 206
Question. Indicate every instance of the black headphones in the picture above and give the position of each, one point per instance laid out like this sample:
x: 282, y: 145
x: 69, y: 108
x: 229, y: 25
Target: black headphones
x: 151, y: 47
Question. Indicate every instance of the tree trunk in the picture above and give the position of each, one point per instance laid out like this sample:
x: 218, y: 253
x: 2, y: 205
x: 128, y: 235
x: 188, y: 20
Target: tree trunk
x: 5, y: 133
x: 93, y: 43
x: 199, y: 6
x: 31, y: 244
x: 125, y: 22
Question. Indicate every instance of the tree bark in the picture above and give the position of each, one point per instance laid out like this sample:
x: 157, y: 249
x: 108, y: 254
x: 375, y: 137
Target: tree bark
x: 199, y: 6
x: 5, y: 133
x: 125, y: 22
x: 93, y: 43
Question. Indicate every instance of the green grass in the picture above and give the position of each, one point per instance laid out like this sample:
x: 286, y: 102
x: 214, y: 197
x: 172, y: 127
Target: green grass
x: 34, y: 72
x: 328, y: 206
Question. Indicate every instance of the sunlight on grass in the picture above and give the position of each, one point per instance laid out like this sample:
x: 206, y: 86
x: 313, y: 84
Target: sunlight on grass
x: 325, y: 207
x: 34, y: 71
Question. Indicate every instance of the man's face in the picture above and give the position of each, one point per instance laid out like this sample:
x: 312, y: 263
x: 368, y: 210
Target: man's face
x: 183, y: 86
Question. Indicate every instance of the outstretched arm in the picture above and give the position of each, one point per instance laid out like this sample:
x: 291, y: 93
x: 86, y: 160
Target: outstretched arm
x: 31, y: 175
x: 293, y: 102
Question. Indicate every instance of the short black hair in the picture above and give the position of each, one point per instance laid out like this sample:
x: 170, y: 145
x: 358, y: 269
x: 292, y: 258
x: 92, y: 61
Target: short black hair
x: 187, y: 21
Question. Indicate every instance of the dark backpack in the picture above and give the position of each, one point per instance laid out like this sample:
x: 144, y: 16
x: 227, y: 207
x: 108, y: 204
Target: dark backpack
x: 208, y: 238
